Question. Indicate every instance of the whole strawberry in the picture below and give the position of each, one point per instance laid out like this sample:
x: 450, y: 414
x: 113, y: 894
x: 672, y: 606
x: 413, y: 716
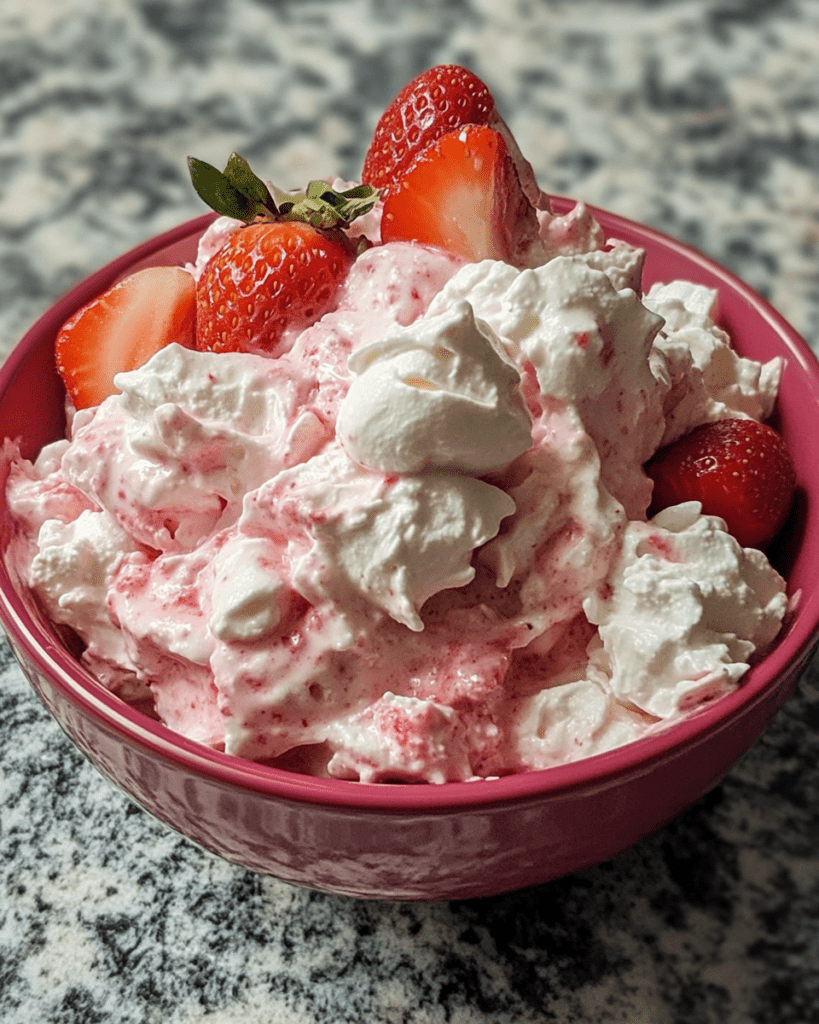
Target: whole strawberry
x: 437, y: 102
x: 740, y: 470
x: 283, y: 270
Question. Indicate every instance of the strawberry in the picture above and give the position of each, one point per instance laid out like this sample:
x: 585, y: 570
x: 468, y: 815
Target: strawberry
x: 266, y: 278
x: 283, y: 269
x: 740, y: 470
x: 464, y: 195
x: 437, y: 102
x: 122, y: 328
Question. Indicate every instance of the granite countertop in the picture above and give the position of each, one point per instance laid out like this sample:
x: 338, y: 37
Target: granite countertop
x: 700, y: 118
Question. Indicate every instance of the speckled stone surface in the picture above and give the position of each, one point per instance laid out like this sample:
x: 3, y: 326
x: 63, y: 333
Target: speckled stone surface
x: 700, y: 118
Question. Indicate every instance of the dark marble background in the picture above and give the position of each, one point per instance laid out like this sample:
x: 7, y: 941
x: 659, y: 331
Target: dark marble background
x: 700, y: 117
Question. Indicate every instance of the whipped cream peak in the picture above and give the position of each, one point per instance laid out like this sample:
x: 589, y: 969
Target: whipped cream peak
x: 705, y: 379
x: 250, y: 390
x: 685, y: 609
x: 437, y: 394
x: 394, y: 541
x: 588, y: 342
x: 249, y: 598
x: 173, y: 455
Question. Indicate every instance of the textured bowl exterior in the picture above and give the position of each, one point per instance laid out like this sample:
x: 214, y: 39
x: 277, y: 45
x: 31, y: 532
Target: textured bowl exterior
x: 459, y: 840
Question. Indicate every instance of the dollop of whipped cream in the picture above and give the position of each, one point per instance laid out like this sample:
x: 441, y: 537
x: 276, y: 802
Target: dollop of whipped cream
x: 395, y: 541
x: 706, y: 379
x: 172, y: 456
x: 684, y: 609
x: 588, y: 342
x: 72, y: 572
x: 437, y: 394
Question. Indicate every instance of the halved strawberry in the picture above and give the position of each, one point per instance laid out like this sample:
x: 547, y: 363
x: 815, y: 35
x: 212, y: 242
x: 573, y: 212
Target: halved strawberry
x: 740, y: 470
x: 280, y: 272
x: 122, y: 328
x: 464, y: 195
x: 434, y: 104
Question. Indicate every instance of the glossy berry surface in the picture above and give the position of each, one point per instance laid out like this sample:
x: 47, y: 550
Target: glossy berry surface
x: 122, y: 328
x: 463, y: 194
x: 740, y: 470
x: 435, y: 103
x: 267, y: 278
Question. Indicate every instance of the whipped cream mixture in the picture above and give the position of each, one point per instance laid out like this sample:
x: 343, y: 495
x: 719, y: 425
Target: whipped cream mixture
x: 415, y: 547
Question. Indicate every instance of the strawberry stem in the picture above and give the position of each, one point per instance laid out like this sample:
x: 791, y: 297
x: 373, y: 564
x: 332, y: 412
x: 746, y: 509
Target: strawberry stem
x: 238, y: 172
x: 320, y: 205
x: 231, y: 193
x: 238, y: 192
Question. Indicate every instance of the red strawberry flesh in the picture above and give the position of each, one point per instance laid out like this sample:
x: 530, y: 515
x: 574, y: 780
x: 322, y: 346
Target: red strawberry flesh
x: 267, y: 278
x: 122, y: 328
x: 435, y: 103
x: 431, y: 105
x: 740, y: 470
x: 463, y: 194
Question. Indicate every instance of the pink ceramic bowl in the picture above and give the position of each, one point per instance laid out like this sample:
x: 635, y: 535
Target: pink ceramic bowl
x: 425, y: 842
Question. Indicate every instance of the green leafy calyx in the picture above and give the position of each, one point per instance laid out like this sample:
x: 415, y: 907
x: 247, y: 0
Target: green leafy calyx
x: 238, y: 192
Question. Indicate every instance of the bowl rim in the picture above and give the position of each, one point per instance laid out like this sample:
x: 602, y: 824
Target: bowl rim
x: 595, y: 772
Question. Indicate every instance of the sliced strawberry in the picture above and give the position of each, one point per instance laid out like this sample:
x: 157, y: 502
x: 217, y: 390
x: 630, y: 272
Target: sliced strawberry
x: 740, y: 470
x: 434, y: 104
x: 463, y: 194
x: 122, y: 329
x: 280, y: 272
